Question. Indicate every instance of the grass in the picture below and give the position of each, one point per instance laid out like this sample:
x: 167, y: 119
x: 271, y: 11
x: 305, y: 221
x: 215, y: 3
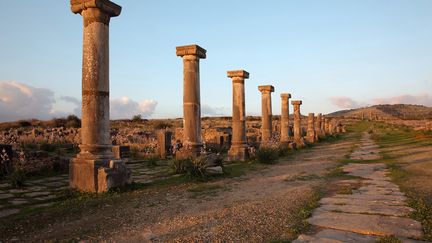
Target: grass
x: 299, y: 223
x: 395, y: 142
x: 388, y: 239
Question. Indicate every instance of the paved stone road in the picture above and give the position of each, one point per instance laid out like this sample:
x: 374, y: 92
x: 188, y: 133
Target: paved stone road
x: 377, y: 208
x: 46, y: 191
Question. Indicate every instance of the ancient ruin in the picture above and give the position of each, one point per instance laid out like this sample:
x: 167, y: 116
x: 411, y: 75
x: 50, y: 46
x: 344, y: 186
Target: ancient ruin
x: 319, y: 126
x: 297, y: 122
x: 311, y: 135
x: 95, y: 169
x: 284, y: 129
x: 327, y: 125
x: 238, y: 150
x: 191, y: 99
x: 266, y: 113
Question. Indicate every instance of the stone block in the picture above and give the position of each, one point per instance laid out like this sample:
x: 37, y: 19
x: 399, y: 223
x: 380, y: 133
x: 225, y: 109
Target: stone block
x: 97, y: 175
x: 121, y: 152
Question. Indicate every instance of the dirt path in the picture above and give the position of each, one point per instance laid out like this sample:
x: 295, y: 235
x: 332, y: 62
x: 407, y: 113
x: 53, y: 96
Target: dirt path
x: 261, y: 206
x: 377, y: 208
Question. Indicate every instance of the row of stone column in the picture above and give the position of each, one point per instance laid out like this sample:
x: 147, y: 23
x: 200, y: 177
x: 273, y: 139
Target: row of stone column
x: 95, y: 169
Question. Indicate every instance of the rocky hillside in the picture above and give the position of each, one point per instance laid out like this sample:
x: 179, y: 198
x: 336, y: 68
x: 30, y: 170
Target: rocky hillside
x: 400, y: 111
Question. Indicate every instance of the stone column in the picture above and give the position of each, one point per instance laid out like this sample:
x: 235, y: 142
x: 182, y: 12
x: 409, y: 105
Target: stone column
x: 326, y: 126
x: 192, y: 140
x: 284, y: 130
x: 318, y: 128
x: 266, y: 110
x: 297, y: 122
x: 238, y: 150
x: 311, y: 128
x: 94, y: 169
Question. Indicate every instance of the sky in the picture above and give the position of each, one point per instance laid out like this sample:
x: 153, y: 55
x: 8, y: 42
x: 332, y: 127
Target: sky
x: 333, y: 54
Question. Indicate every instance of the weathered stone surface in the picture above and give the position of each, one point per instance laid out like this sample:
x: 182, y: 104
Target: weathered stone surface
x: 266, y: 113
x: 18, y: 201
x: 336, y: 236
x: 311, y: 134
x: 359, y: 201
x: 95, y: 146
x: 284, y: 129
x: 376, y: 208
x: 368, y: 224
x: 297, y: 123
x: 238, y: 150
x: 191, y: 99
x: 365, y: 208
x: 37, y: 194
x: 6, y: 195
x: 7, y: 212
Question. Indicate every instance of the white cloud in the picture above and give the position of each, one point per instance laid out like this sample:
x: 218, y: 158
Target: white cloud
x: 345, y: 102
x: 75, y: 101
x: 423, y: 99
x: 21, y: 101
x: 127, y: 108
x: 207, y: 110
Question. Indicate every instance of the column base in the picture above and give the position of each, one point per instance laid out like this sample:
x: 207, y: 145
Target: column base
x: 97, y: 175
x: 238, y: 154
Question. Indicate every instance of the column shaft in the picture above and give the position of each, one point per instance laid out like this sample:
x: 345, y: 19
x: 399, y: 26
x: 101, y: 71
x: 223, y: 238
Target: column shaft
x: 239, y: 115
x: 284, y: 130
x: 191, y: 101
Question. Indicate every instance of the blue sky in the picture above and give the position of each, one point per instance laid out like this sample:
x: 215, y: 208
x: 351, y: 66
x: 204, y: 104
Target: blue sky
x: 331, y: 54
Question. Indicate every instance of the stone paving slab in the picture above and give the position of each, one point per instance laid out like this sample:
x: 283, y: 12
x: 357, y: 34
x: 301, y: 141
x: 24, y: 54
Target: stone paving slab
x: 349, y: 201
x: 379, y: 209
x: 368, y: 224
x: 336, y: 236
x: 7, y: 212
x: 6, y: 196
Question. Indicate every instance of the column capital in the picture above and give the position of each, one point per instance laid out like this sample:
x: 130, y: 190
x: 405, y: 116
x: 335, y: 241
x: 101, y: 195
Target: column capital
x: 296, y: 102
x: 285, y: 95
x: 194, y: 50
x: 238, y: 74
x: 108, y: 7
x: 311, y: 114
x: 266, y: 88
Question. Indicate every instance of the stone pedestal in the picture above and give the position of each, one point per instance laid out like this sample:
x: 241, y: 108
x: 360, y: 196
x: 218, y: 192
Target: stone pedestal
x: 238, y: 150
x: 311, y: 128
x: 95, y: 169
x: 192, y: 140
x: 284, y: 129
x: 297, y: 122
x: 266, y: 115
x: 164, y: 143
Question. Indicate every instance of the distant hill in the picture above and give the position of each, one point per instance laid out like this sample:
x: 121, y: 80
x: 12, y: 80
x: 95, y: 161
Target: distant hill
x: 399, y: 111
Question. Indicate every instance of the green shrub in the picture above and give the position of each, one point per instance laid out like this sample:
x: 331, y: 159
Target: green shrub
x: 137, y: 118
x: 48, y: 147
x: 179, y: 166
x: 194, y: 168
x: 267, y: 155
x: 162, y: 125
x: 73, y: 121
x: 388, y: 239
x: 283, y: 151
